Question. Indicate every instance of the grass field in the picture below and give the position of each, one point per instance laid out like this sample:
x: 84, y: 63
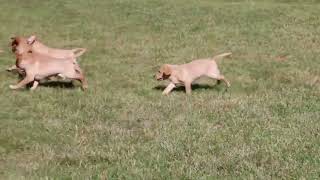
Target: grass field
x: 267, y: 125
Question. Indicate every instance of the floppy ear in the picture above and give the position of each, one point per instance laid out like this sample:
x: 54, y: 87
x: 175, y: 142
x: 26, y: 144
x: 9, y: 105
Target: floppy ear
x: 31, y: 39
x: 14, y: 41
x: 166, y: 69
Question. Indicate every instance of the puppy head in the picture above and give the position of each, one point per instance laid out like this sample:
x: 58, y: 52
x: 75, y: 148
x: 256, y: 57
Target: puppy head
x: 164, y: 72
x: 20, y: 45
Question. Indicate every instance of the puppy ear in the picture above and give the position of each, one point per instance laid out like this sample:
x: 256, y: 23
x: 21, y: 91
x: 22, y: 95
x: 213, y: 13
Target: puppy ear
x: 14, y: 41
x: 31, y: 39
x: 166, y: 69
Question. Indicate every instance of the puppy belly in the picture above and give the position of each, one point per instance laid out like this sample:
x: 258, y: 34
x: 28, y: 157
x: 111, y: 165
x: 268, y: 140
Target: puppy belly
x: 43, y: 76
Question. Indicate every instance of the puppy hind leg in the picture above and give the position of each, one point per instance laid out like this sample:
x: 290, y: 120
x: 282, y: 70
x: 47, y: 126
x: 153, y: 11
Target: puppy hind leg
x: 219, y: 78
x: 84, y: 83
x: 222, y: 78
x: 188, y: 87
x: 82, y: 79
x: 77, y: 76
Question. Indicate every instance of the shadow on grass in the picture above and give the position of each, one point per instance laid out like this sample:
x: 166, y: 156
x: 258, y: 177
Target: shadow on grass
x: 56, y: 84
x: 216, y: 87
x: 60, y: 84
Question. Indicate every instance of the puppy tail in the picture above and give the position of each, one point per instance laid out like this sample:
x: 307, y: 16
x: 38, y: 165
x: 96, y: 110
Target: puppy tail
x: 78, y: 51
x: 220, y: 56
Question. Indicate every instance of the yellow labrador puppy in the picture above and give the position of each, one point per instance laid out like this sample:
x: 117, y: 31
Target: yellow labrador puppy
x: 187, y: 73
x: 38, y: 47
x: 38, y: 66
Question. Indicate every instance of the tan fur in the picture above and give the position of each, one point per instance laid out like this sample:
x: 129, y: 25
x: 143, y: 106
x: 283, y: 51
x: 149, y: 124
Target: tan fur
x: 40, y: 48
x: 39, y: 66
x: 187, y: 73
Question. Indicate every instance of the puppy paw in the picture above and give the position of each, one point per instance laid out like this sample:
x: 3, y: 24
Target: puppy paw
x: 33, y: 88
x: 9, y: 69
x: 61, y: 76
x: 84, y: 87
x: 13, y: 87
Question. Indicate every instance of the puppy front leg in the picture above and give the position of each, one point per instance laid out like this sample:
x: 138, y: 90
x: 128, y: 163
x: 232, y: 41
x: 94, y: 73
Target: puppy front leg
x: 168, y: 89
x: 188, y: 87
x: 22, y: 83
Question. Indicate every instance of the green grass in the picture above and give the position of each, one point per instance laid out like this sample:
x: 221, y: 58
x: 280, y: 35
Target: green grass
x: 265, y: 126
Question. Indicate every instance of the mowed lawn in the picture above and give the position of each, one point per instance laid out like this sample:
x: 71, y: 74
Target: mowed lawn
x: 267, y: 125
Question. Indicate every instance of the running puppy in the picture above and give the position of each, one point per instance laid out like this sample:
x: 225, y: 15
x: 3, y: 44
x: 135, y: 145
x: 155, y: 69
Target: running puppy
x: 38, y: 66
x: 187, y: 73
x: 38, y: 47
